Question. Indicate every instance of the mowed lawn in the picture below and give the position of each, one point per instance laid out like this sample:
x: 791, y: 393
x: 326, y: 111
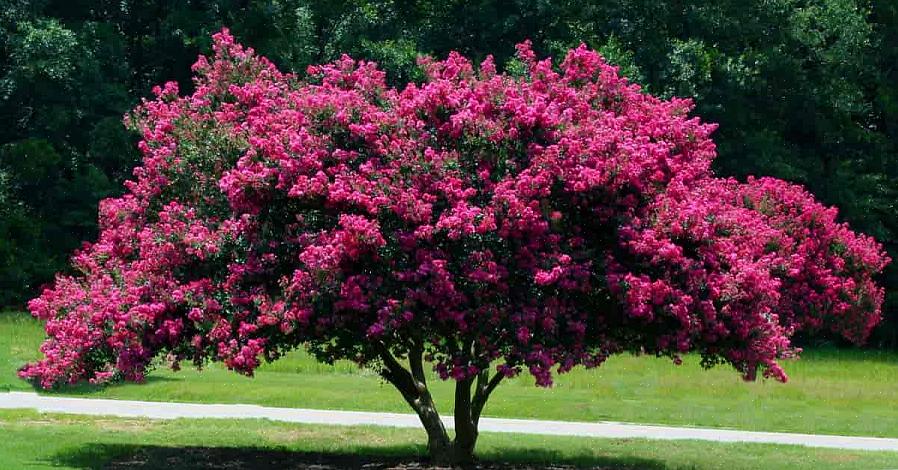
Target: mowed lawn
x: 831, y: 391
x: 32, y: 440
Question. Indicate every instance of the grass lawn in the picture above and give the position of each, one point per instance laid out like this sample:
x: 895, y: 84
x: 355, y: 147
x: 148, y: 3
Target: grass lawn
x: 32, y: 440
x: 831, y: 391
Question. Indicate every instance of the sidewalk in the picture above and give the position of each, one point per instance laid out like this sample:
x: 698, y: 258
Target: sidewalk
x: 164, y: 410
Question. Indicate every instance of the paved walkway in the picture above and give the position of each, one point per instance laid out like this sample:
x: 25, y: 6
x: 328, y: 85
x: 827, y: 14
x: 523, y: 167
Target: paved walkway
x: 164, y: 410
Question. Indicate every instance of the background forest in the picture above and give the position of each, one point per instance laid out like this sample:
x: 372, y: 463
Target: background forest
x: 805, y: 90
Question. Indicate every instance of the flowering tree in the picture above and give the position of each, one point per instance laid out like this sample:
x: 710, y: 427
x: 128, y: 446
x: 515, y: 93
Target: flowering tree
x: 483, y: 224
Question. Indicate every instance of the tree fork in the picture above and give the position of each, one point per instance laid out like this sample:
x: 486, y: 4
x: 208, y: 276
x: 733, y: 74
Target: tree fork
x: 468, y: 408
x: 485, y: 387
x: 469, y: 404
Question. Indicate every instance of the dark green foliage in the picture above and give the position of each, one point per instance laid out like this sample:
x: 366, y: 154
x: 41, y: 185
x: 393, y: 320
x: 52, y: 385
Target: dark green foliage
x: 806, y: 90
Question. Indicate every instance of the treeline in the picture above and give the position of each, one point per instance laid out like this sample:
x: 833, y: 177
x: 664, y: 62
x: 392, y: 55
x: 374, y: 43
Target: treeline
x: 805, y: 90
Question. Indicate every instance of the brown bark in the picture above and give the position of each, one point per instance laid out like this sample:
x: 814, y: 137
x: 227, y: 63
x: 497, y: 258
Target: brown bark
x: 414, y: 391
x: 465, y: 427
x: 412, y: 384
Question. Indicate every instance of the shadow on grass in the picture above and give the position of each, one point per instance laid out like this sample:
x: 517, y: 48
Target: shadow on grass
x: 849, y: 354
x: 85, y: 388
x: 151, y: 457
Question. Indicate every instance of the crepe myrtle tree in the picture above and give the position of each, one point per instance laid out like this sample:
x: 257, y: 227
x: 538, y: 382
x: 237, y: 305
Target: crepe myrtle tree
x: 483, y: 224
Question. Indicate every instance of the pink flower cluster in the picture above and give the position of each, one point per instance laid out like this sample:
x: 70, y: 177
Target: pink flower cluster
x: 527, y: 223
x: 739, y: 267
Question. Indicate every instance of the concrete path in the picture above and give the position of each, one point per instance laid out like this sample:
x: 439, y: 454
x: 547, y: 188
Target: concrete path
x: 163, y: 410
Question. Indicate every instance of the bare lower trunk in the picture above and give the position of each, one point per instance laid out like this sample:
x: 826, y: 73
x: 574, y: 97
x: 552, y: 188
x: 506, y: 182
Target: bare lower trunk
x: 413, y: 386
x: 460, y: 451
x: 465, y: 426
x: 439, y: 447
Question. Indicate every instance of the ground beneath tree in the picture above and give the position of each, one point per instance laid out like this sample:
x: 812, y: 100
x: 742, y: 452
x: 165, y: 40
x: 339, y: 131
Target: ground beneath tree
x: 125, y: 457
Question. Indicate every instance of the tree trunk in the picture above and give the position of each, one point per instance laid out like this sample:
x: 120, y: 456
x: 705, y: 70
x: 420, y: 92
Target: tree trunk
x: 452, y: 455
x: 412, y: 384
x: 465, y: 425
x: 439, y: 447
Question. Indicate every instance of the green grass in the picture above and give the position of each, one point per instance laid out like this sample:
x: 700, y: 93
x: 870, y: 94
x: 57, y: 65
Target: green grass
x: 32, y: 440
x: 831, y: 391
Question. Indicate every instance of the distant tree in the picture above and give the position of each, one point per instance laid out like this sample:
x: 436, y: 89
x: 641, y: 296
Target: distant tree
x: 62, y: 146
x: 884, y: 209
x: 485, y: 224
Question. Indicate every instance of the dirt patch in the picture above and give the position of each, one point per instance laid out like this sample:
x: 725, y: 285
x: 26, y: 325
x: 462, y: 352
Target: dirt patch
x: 286, y: 435
x: 839, y: 458
x: 44, y: 422
x: 112, y: 425
x: 124, y: 425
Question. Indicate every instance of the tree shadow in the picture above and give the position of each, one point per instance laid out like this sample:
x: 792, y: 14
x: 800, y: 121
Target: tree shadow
x: 97, y: 456
x: 85, y: 388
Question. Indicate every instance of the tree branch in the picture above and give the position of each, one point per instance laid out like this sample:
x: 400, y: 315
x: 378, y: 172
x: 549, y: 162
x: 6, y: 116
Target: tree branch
x: 482, y: 394
x: 415, y: 359
x: 398, y: 376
